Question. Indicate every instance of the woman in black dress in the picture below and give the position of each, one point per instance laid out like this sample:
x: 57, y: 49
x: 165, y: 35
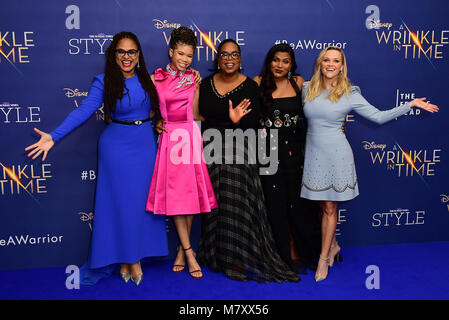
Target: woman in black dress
x: 236, y: 239
x: 295, y: 221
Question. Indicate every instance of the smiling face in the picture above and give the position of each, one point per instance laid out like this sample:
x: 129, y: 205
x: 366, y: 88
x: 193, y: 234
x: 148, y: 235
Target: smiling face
x: 127, y: 61
x: 181, y: 56
x: 281, y: 64
x: 229, y: 58
x: 331, y: 64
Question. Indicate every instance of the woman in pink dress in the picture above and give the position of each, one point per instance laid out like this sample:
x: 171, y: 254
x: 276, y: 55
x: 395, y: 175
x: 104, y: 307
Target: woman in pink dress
x: 180, y: 186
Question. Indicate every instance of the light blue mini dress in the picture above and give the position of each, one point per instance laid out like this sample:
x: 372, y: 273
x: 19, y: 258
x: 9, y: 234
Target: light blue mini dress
x: 329, y: 169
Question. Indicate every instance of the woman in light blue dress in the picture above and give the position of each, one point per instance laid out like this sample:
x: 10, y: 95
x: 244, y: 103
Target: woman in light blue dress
x: 329, y: 172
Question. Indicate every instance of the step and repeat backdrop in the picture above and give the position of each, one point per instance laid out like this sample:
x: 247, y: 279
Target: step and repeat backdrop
x: 49, y: 54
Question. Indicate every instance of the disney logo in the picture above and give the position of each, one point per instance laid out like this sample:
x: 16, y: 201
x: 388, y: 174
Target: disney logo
x: 161, y: 24
x: 444, y: 198
x: 86, y: 217
x: 372, y: 145
x: 74, y: 93
x: 376, y: 24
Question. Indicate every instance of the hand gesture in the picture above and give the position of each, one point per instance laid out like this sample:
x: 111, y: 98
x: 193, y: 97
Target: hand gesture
x: 160, y: 126
x: 420, y: 103
x: 43, y: 145
x: 237, y: 113
x: 197, y: 76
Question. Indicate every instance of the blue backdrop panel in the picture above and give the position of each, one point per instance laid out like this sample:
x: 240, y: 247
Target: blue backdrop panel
x: 49, y: 55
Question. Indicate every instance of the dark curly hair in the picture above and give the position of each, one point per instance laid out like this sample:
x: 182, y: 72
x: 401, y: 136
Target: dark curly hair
x: 114, y: 84
x: 267, y: 83
x: 183, y: 35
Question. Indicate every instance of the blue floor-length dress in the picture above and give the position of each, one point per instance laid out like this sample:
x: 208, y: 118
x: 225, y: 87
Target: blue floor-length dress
x: 123, y: 232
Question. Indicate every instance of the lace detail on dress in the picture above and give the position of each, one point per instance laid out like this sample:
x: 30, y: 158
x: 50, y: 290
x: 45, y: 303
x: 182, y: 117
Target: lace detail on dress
x: 332, y: 187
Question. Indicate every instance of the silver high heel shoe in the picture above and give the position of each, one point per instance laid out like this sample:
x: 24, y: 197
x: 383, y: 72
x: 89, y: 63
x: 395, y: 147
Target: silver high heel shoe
x: 336, y: 257
x: 137, y: 280
x: 319, y: 277
x: 125, y: 276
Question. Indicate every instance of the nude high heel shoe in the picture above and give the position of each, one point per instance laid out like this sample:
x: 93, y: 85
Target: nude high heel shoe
x: 137, y: 280
x: 125, y: 276
x: 318, y: 276
x: 335, y: 257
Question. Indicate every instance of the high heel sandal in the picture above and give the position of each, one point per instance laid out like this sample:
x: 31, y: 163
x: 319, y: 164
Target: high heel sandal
x: 183, y: 266
x: 194, y: 271
x: 137, y: 280
x: 336, y: 257
x: 319, y: 277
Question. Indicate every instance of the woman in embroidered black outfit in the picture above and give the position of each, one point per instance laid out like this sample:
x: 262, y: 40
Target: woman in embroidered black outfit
x: 295, y: 221
x: 236, y: 238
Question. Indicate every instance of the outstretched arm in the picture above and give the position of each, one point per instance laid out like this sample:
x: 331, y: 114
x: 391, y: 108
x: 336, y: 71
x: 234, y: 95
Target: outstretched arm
x: 81, y: 114
x: 43, y: 145
x: 75, y: 118
x: 422, y: 104
x: 365, y: 109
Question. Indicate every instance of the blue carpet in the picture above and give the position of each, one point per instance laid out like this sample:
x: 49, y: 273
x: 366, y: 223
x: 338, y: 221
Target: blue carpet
x: 406, y: 272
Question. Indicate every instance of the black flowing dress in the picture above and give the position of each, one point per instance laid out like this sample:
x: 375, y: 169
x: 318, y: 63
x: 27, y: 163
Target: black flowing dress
x: 236, y: 238
x: 288, y: 213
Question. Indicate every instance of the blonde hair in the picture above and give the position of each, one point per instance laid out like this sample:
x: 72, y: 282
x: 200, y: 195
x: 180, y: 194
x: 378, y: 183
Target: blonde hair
x: 316, y: 84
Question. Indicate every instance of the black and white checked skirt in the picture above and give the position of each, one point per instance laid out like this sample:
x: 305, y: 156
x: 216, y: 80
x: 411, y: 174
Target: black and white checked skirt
x: 236, y: 238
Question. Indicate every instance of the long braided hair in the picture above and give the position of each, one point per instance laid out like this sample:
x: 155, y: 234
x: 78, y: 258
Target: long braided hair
x: 114, y: 83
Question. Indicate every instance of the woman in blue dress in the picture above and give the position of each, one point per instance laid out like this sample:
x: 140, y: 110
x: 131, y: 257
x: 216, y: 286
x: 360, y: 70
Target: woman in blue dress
x: 329, y: 172
x: 123, y: 232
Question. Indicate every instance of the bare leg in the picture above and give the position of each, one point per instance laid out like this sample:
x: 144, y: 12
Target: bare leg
x: 179, y: 263
x: 334, y: 250
x: 136, y: 270
x: 182, y: 227
x: 328, y: 227
x: 125, y: 268
x: 293, y: 252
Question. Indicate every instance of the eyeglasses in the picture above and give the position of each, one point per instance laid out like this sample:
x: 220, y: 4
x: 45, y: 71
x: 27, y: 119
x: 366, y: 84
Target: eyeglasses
x: 131, y: 53
x: 227, y: 55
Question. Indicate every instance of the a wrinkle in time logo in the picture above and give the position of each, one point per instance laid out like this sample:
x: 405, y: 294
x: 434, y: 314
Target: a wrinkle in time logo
x: 78, y: 96
x: 27, y: 179
x: 207, y: 40
x: 14, y: 48
x: 406, y: 163
x: 412, y: 44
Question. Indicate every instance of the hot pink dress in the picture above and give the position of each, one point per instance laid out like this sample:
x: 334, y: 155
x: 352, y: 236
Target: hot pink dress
x: 180, y: 183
